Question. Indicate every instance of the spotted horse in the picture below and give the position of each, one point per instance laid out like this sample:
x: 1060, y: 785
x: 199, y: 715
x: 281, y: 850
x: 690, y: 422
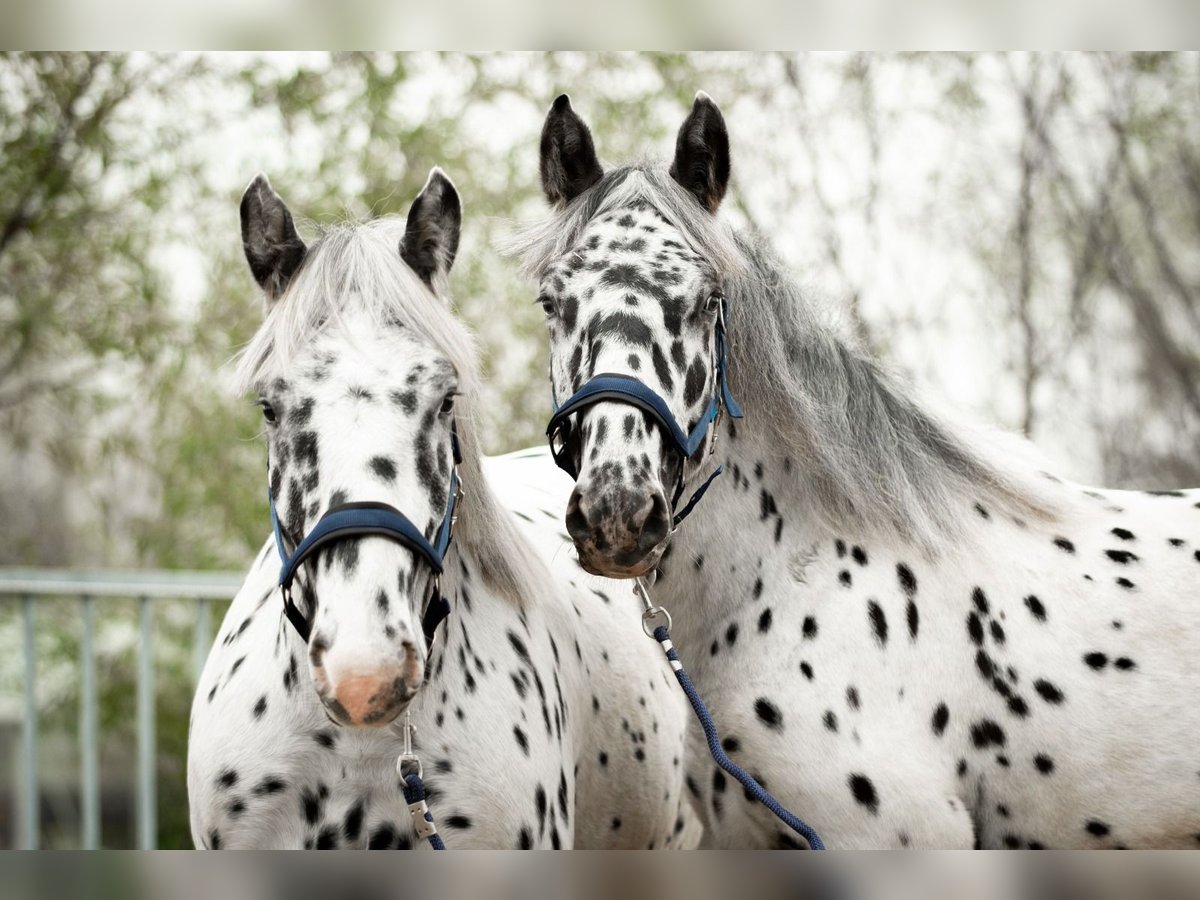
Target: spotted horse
x: 541, y: 717
x: 906, y: 628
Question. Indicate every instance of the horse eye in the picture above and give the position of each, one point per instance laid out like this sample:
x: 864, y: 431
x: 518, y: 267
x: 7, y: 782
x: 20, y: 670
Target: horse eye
x: 548, y: 306
x: 268, y: 411
x: 447, y: 404
x: 713, y: 303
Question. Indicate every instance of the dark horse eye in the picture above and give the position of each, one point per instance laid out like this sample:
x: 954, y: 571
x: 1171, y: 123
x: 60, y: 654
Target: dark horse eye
x: 268, y: 411
x: 713, y: 303
x: 547, y: 303
x: 447, y: 404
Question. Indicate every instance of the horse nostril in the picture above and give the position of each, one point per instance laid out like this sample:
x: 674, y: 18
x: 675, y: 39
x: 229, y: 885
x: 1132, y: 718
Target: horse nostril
x: 577, y: 523
x: 656, y: 524
x: 412, y: 663
x: 317, y: 648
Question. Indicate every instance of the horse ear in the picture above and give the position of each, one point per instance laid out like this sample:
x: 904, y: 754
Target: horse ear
x: 273, y: 248
x: 431, y: 236
x: 701, y: 161
x: 568, y: 163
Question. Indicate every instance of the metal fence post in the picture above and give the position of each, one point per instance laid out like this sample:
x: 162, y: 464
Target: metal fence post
x: 88, y: 733
x: 32, y: 795
x: 147, y: 801
x: 202, y: 637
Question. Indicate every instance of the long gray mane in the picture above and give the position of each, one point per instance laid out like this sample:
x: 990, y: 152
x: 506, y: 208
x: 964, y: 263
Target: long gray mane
x: 360, y: 263
x: 868, y: 454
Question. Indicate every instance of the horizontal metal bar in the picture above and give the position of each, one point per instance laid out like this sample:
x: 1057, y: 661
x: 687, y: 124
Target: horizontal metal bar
x: 120, y: 583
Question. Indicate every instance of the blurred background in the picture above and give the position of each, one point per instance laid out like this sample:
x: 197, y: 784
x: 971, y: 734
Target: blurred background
x: 1018, y: 235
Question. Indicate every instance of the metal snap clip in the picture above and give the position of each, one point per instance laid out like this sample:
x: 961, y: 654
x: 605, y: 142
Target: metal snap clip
x: 651, y: 616
x: 408, y: 756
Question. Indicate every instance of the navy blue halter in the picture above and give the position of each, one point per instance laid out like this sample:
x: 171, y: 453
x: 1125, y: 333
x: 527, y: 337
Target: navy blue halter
x: 362, y: 519
x: 627, y: 389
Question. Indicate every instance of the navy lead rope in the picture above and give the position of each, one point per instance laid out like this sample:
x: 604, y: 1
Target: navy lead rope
x: 753, y: 788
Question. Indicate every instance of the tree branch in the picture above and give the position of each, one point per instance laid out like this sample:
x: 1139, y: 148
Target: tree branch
x: 832, y: 240
x: 22, y: 216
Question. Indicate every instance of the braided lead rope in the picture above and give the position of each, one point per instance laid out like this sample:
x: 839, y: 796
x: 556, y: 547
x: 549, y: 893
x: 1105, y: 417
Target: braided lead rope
x: 661, y: 634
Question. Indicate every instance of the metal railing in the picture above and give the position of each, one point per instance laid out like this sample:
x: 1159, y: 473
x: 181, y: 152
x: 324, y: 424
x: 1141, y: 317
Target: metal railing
x: 147, y: 587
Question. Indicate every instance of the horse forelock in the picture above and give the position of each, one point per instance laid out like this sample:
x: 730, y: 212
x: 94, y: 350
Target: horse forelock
x: 541, y: 245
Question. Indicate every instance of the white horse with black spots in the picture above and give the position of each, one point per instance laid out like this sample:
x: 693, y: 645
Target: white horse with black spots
x: 542, y: 718
x: 907, y: 630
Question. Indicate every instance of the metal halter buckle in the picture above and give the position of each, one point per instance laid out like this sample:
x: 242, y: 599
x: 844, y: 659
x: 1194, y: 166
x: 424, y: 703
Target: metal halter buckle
x: 459, y: 493
x: 716, y: 429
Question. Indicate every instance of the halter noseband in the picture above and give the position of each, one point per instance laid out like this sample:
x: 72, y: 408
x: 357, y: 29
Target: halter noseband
x: 362, y: 519
x: 627, y: 389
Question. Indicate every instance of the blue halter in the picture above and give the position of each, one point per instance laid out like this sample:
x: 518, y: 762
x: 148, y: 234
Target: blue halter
x: 378, y: 519
x: 626, y: 389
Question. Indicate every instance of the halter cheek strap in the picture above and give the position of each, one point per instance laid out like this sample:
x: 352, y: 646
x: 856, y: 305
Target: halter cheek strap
x: 362, y: 519
x: 626, y: 389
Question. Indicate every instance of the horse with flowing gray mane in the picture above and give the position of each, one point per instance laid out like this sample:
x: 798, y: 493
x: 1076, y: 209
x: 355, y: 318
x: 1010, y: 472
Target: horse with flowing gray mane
x: 909, y: 632
x: 542, y: 717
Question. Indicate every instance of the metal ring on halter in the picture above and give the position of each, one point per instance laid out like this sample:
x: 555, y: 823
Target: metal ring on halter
x: 716, y: 431
x: 649, y: 617
x: 408, y: 758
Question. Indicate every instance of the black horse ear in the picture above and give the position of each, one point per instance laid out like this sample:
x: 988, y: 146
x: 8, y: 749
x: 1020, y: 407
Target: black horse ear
x: 431, y: 236
x: 701, y: 161
x: 273, y: 248
x: 568, y: 158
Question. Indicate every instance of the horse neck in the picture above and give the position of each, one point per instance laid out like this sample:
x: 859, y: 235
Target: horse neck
x: 730, y: 532
x: 761, y: 520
